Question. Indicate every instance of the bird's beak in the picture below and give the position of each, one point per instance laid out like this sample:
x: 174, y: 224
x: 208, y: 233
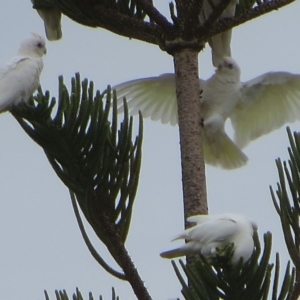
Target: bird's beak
x: 45, y: 51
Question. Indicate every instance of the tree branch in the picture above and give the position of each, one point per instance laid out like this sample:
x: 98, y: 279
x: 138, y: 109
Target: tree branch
x: 216, y: 13
x: 190, y: 22
x: 93, y: 14
x: 195, y: 8
x: 117, y: 249
x: 154, y: 14
x: 159, y: 32
x: 90, y: 246
x: 228, y: 23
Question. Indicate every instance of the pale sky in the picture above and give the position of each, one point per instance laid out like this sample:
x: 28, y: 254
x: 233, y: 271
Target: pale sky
x: 41, y: 246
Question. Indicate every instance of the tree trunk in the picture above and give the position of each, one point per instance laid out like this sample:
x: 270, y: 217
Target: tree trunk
x: 191, y: 132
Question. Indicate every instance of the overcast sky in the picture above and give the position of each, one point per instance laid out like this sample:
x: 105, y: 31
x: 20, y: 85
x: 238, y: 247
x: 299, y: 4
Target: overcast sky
x: 41, y: 246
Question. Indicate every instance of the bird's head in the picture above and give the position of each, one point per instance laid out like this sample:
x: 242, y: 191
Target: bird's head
x: 229, y: 69
x: 35, y: 46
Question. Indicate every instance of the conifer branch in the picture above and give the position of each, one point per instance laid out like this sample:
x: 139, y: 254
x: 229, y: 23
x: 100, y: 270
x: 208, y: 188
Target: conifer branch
x: 129, y: 21
x: 240, y: 18
x: 90, y: 246
x: 287, y: 203
x: 218, y: 280
x: 95, y: 159
x: 153, y: 13
x: 216, y: 13
x: 62, y: 295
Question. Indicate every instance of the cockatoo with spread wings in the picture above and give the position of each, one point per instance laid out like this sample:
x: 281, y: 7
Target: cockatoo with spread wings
x: 217, y: 231
x: 255, y: 107
x: 20, y: 77
x: 52, y: 22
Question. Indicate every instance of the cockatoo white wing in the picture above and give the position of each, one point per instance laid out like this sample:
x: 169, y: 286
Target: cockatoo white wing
x: 52, y: 22
x: 155, y: 97
x: 214, y: 231
x: 202, y: 238
x: 18, y: 81
x: 199, y: 219
x: 267, y: 103
x: 218, y: 230
x: 20, y: 78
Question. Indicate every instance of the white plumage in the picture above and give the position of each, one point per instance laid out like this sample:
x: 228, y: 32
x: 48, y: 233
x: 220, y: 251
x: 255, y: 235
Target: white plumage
x: 217, y: 231
x: 20, y: 77
x: 219, y: 43
x: 255, y: 108
x: 52, y: 22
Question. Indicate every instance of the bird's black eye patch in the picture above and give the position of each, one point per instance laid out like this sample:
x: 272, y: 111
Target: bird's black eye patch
x: 39, y: 45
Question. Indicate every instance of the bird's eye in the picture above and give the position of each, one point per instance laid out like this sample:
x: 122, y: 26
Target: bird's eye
x: 39, y: 45
x: 230, y: 66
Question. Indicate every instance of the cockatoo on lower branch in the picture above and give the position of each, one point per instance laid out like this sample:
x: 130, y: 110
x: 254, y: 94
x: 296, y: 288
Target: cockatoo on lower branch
x: 255, y: 107
x: 213, y: 232
x: 20, y: 77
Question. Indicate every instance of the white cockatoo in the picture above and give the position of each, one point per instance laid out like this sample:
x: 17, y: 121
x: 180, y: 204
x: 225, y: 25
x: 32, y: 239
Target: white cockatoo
x: 255, y: 107
x: 219, y: 43
x: 20, y: 77
x: 217, y: 231
x: 52, y: 22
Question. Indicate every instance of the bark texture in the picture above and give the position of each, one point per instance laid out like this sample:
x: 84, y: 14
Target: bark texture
x: 190, y: 131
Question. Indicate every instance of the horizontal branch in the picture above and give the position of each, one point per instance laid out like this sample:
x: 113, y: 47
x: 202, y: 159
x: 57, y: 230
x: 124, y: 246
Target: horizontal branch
x: 98, y: 15
x: 159, y: 30
x: 154, y: 14
x: 216, y: 12
x: 253, y: 13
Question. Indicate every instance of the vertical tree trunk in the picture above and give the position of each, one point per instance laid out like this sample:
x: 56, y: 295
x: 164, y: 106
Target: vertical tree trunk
x: 191, y: 132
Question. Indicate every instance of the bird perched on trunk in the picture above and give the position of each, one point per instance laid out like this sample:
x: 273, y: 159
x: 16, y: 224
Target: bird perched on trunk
x: 52, y: 22
x: 219, y: 43
x: 217, y: 231
x: 255, y: 107
x: 20, y: 77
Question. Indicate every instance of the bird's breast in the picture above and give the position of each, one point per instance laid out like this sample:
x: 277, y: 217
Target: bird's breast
x: 219, y: 98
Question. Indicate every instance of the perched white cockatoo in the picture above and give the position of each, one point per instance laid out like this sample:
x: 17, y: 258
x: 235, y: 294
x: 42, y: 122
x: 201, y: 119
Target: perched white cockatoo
x: 217, y: 231
x: 20, y: 77
x: 255, y: 107
x: 52, y: 22
x: 219, y: 43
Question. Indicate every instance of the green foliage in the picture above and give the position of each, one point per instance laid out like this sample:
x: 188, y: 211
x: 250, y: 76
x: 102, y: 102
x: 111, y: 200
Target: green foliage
x: 215, y: 280
x: 126, y: 7
x: 250, y: 281
x: 287, y: 202
x: 62, y: 295
x: 94, y: 158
